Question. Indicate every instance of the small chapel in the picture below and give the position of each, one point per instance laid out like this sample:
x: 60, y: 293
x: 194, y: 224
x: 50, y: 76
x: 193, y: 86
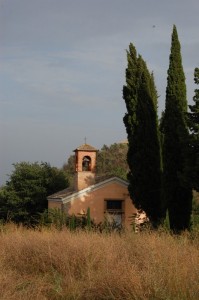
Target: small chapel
x: 104, y: 197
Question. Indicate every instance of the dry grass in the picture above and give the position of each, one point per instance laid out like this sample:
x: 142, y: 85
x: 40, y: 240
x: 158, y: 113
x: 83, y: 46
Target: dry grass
x: 49, y: 264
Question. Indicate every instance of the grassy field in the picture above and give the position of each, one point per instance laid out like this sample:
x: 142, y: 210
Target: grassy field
x: 51, y: 264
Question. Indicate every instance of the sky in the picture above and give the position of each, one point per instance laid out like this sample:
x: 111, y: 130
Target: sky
x: 62, y: 70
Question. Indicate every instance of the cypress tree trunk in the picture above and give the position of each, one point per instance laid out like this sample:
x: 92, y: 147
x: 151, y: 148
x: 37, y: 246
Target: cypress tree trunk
x: 141, y: 124
x: 178, y: 196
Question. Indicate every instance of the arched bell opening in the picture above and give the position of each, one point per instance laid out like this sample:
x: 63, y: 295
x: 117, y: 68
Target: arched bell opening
x: 86, y: 163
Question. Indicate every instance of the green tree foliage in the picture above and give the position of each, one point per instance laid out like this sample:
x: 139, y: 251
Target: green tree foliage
x: 141, y: 123
x: 194, y: 115
x: 69, y: 169
x: 111, y: 161
x: 25, y: 194
x: 193, y: 121
x: 178, y: 196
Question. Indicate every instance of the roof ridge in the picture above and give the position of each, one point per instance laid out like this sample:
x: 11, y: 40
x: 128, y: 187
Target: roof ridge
x: 86, y: 147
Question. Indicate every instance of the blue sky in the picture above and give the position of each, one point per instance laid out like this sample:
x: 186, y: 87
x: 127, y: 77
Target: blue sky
x: 62, y: 69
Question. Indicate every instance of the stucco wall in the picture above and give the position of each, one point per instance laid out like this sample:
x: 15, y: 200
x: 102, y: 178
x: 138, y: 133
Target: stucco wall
x: 55, y: 204
x: 96, y: 201
x: 84, y: 179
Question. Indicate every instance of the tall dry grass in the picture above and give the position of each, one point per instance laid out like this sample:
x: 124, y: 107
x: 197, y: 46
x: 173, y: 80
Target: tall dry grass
x: 50, y: 264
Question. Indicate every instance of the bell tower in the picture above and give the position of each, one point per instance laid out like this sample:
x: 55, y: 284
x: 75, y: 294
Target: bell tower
x: 85, y: 165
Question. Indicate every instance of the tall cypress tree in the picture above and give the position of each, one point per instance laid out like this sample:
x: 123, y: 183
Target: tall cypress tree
x: 193, y: 120
x: 141, y: 124
x: 194, y: 115
x: 178, y: 196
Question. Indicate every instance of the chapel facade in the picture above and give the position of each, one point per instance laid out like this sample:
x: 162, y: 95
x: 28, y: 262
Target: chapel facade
x: 109, y: 197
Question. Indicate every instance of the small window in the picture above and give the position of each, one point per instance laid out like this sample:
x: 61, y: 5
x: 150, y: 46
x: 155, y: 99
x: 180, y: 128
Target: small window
x: 114, y: 211
x: 114, y: 205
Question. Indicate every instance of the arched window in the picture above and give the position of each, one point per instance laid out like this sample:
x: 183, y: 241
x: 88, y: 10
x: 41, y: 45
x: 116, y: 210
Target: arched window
x: 86, y: 163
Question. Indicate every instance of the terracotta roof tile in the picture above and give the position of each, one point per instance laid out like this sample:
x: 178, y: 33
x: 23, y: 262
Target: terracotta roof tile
x: 62, y: 193
x: 86, y: 147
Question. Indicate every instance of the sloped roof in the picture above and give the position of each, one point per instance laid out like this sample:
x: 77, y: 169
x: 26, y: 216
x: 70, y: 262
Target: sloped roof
x: 85, y: 147
x: 62, y: 194
x: 66, y: 196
